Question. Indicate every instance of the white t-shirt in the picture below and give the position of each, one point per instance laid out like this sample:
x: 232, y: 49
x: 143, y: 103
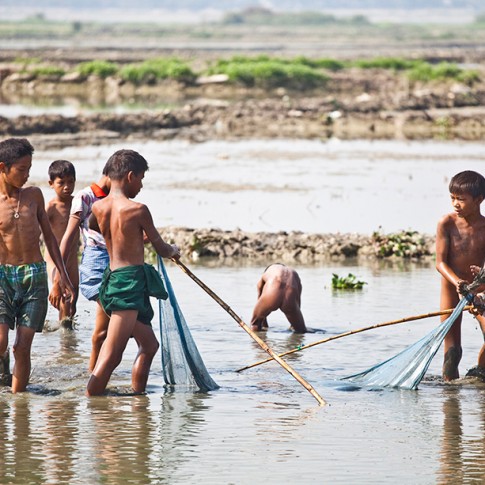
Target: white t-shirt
x: 82, y: 205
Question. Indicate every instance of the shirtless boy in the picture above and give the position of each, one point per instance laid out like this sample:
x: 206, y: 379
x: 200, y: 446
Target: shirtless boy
x: 460, y: 245
x: 94, y: 259
x: 62, y: 178
x: 279, y: 288
x: 128, y: 282
x: 23, y: 275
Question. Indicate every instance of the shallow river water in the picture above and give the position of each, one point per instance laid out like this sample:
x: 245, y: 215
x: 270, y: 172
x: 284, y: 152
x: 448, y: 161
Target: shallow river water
x: 261, y: 425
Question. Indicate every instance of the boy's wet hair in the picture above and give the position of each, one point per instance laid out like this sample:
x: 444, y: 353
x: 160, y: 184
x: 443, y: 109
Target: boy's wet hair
x: 468, y: 182
x: 12, y: 149
x: 61, y: 169
x: 124, y: 161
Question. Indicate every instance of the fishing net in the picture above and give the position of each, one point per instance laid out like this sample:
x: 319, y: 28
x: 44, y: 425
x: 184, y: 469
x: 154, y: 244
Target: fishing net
x: 182, y: 364
x: 406, y: 369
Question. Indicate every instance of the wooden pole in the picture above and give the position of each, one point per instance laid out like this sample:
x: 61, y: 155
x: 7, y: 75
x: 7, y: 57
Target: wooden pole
x: 352, y: 332
x: 252, y: 334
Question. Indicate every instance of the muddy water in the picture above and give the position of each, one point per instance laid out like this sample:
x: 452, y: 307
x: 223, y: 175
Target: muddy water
x: 261, y: 424
x: 312, y: 186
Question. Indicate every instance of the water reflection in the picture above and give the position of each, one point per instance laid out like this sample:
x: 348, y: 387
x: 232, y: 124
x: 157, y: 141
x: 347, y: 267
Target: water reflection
x: 451, y: 454
x: 461, y: 456
x: 59, y: 439
x: 20, y: 444
x: 181, y: 424
x: 122, y: 439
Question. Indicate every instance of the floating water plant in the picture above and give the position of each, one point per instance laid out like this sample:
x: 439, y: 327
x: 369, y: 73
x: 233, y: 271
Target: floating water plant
x: 349, y: 282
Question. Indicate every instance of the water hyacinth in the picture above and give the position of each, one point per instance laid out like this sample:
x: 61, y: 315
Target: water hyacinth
x: 404, y: 244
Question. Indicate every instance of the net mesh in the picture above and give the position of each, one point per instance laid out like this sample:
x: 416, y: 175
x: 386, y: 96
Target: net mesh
x: 182, y: 364
x: 406, y: 369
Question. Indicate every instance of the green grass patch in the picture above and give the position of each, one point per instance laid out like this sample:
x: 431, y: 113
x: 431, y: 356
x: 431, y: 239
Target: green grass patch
x: 153, y: 70
x: 99, y: 68
x: 39, y: 71
x: 394, y: 63
x: 266, y: 72
x: 420, y: 70
x: 426, y: 72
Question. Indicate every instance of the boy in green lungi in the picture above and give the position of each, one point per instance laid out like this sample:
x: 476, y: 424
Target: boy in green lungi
x: 128, y: 282
x: 23, y: 275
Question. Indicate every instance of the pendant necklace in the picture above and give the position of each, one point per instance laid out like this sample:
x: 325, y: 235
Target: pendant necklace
x: 16, y: 213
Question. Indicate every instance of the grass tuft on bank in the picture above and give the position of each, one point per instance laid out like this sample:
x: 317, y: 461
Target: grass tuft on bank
x: 269, y: 72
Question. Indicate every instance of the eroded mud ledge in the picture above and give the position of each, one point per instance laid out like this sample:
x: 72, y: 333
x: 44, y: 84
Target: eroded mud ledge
x: 291, y: 247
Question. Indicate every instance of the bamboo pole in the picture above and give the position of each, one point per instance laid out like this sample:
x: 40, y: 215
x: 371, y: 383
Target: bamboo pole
x: 252, y: 334
x: 352, y: 332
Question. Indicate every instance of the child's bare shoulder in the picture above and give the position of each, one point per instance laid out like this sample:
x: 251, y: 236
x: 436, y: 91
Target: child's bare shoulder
x: 447, y: 220
x: 136, y: 207
x: 31, y: 192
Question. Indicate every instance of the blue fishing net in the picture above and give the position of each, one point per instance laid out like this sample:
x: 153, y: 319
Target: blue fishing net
x: 182, y: 364
x: 406, y: 369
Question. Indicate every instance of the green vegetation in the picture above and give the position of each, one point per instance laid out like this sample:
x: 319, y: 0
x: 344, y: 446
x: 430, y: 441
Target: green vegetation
x: 420, y: 70
x: 394, y: 63
x: 349, y: 282
x: 260, y: 71
x: 329, y: 64
x: 404, y: 244
x: 153, y: 70
x: 263, y: 16
x: 102, y: 69
x: 268, y: 72
x: 39, y: 71
x: 27, y: 61
x: 444, y: 70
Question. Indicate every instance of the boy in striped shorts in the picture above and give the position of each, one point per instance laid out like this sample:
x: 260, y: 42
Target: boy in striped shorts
x: 23, y: 275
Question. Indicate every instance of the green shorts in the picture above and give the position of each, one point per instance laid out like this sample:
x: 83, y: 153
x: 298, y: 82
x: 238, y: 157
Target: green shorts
x: 23, y: 295
x: 130, y: 288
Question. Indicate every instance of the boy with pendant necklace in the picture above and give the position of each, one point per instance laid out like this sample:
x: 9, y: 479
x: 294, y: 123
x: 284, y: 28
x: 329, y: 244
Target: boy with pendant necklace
x: 23, y: 275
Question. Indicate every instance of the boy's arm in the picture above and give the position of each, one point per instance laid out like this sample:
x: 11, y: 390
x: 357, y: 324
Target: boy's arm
x: 259, y: 286
x: 161, y: 247
x: 70, y: 237
x: 442, y: 255
x: 51, y: 244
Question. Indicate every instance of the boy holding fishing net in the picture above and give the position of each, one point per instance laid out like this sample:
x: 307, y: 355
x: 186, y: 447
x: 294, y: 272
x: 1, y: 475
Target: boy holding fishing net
x: 127, y: 282
x: 460, y: 248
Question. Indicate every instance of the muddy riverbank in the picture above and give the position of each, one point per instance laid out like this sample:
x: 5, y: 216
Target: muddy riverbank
x: 355, y: 104
x: 292, y: 247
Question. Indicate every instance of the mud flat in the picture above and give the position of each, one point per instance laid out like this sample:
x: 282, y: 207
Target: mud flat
x: 356, y: 104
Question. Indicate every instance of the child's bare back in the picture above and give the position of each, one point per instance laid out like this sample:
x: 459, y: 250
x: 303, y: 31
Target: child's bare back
x: 279, y: 288
x: 121, y: 222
